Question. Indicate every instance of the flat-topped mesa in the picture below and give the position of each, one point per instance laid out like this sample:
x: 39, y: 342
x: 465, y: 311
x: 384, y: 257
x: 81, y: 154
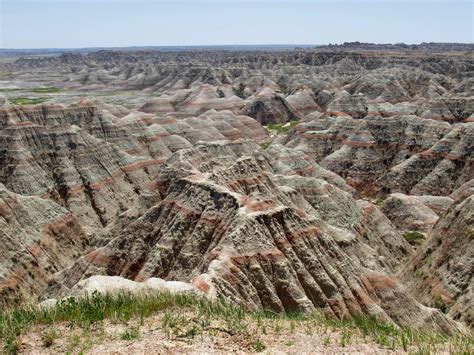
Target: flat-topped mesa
x: 38, y: 238
x: 241, y: 232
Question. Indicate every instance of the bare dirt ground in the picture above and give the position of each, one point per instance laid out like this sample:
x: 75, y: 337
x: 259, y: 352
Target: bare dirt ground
x: 169, y: 333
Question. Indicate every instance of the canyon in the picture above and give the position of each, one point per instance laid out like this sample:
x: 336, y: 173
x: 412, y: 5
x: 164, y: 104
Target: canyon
x: 337, y: 179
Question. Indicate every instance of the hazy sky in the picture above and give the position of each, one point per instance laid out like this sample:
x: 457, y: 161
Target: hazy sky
x: 92, y: 23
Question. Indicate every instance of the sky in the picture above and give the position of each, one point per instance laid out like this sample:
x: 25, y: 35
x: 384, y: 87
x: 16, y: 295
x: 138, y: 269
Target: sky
x: 119, y: 23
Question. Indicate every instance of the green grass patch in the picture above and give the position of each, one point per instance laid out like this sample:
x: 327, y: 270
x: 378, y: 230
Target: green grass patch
x: 90, y: 312
x: 27, y: 100
x: 259, y: 345
x: 130, y: 334
x: 278, y: 128
x: 379, y: 201
x: 266, y: 144
x: 46, y: 90
x: 414, y: 238
x: 281, y: 128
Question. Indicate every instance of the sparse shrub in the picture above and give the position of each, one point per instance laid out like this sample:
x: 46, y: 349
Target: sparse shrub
x: 73, y: 341
x: 277, y: 327
x: 266, y: 144
x: 440, y: 304
x: 258, y: 345
x: 49, y: 336
x: 12, y: 346
x: 292, y: 326
x: 327, y: 340
x: 414, y: 238
x: 379, y: 201
x: 345, y: 337
x: 191, y: 332
x: 130, y: 334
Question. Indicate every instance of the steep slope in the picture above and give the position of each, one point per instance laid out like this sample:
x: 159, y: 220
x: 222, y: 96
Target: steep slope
x: 89, y: 176
x: 246, y: 234
x: 415, y: 213
x: 440, y: 272
x: 158, y: 172
x: 94, y: 163
x: 38, y: 238
x: 398, y: 154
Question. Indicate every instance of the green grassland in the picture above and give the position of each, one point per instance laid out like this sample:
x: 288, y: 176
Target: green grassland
x: 27, y: 100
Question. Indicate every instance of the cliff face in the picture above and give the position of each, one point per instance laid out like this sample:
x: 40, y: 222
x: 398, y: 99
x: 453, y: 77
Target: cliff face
x: 38, y: 238
x: 52, y: 156
x: 440, y: 272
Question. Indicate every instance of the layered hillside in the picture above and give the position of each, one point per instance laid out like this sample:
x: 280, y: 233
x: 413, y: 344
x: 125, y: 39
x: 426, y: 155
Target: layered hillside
x: 243, y: 228
x: 441, y: 272
x: 38, y: 238
x: 336, y: 179
x: 379, y: 155
x: 93, y: 162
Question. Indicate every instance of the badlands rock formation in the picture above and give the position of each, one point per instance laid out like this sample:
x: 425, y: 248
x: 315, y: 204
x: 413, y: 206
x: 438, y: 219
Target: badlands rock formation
x: 166, y: 169
x: 238, y: 226
x: 93, y: 162
x: 378, y: 155
x: 441, y: 272
x: 415, y: 213
x: 38, y: 238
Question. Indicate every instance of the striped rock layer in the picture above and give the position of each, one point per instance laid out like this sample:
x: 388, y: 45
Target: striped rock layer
x: 238, y: 223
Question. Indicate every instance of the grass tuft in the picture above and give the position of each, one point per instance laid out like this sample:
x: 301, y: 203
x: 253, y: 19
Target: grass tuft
x: 130, y: 334
x: 49, y: 336
x: 47, y: 90
x: 258, y: 345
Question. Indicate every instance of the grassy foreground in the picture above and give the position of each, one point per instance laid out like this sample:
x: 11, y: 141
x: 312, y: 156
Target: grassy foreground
x: 188, y: 316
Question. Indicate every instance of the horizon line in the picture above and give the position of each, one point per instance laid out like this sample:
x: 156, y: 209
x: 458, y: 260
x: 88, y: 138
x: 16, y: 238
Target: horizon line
x: 228, y: 45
